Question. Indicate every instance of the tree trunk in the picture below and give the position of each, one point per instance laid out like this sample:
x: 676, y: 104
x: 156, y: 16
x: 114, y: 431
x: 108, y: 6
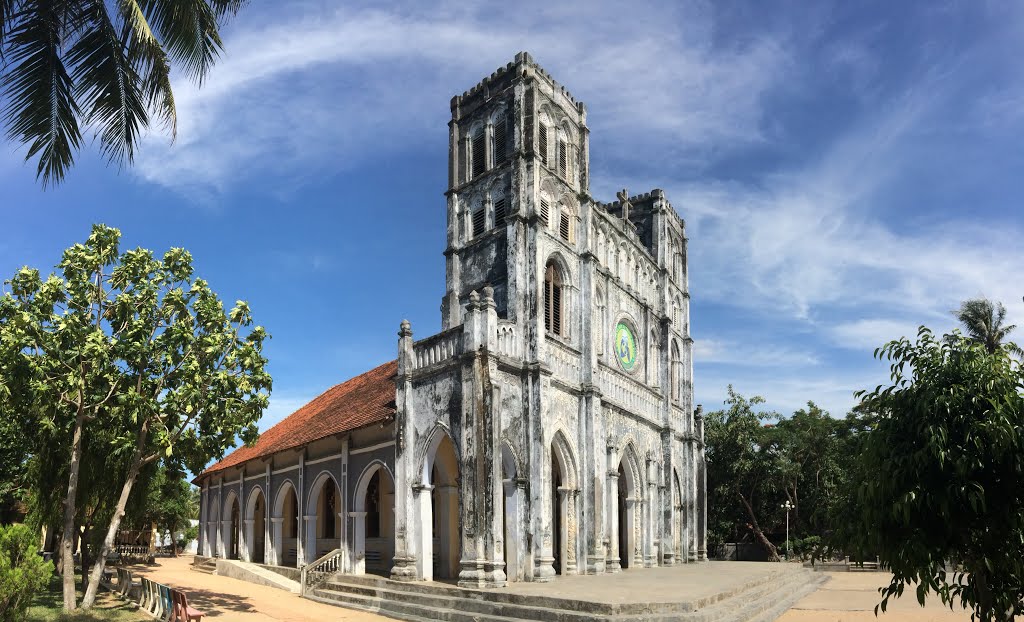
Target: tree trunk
x: 67, y: 545
x: 755, y: 528
x: 115, y: 522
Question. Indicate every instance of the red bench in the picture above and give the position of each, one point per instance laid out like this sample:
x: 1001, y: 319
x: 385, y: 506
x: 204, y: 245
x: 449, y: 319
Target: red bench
x: 182, y: 611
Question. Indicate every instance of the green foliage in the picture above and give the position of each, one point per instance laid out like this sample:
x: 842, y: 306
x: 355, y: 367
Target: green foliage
x: 120, y: 361
x: 941, y: 475
x: 743, y: 470
x: 22, y: 571
x: 757, y: 461
x: 102, y: 65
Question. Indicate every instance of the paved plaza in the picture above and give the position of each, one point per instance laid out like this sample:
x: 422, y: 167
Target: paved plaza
x: 852, y: 596
x: 846, y: 597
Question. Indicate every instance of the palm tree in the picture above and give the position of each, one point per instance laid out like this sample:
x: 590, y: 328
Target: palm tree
x: 983, y: 321
x: 68, y: 66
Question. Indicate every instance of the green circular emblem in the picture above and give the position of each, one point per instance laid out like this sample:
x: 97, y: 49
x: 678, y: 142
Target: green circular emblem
x: 625, y: 346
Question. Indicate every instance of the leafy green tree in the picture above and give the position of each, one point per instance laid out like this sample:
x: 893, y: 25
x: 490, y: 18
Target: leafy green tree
x: 984, y: 322
x: 22, y: 571
x: 77, y: 65
x: 941, y: 475
x: 815, y: 450
x: 134, y: 349
x: 743, y: 469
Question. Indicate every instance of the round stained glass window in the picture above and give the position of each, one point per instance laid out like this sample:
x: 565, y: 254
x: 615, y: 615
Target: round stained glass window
x: 625, y: 346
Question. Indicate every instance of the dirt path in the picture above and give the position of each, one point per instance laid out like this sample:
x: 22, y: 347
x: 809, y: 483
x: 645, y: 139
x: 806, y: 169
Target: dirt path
x: 229, y: 600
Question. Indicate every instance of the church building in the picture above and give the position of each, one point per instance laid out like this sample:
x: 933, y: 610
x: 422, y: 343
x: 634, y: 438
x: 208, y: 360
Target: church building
x: 547, y: 429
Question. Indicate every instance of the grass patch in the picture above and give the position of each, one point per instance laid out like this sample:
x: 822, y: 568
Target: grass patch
x: 48, y: 606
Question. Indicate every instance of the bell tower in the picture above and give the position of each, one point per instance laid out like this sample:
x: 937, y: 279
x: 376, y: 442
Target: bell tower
x: 518, y: 150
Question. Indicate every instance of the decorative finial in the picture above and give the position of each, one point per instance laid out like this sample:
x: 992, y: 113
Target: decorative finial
x: 699, y: 412
x: 405, y: 330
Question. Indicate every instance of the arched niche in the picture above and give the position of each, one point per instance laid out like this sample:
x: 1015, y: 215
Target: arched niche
x: 441, y: 543
x: 323, y: 505
x: 256, y: 527
x: 373, y: 520
x: 285, y: 525
x: 231, y: 527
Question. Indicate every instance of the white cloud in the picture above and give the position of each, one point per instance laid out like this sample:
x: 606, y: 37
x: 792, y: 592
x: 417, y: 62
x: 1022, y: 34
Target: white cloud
x: 310, y: 94
x: 752, y: 353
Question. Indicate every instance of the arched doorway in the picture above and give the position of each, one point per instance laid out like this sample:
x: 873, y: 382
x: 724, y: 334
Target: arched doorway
x: 256, y: 527
x: 325, y: 504
x: 629, y: 489
x: 286, y: 527
x: 557, y: 515
x: 231, y: 527
x: 510, y: 514
x: 374, y: 521
x: 560, y: 496
x: 442, y: 542
x: 680, y: 514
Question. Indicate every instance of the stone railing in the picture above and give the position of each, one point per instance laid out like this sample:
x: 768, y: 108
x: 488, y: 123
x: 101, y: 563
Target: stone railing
x: 629, y: 394
x: 508, y: 344
x: 437, y: 348
x: 565, y: 362
x: 313, y: 575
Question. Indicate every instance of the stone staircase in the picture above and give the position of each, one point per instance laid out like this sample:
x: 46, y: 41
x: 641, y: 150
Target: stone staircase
x: 206, y: 565
x: 759, y: 600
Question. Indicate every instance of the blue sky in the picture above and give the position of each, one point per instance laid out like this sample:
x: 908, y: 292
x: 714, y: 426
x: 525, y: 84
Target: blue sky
x: 847, y: 171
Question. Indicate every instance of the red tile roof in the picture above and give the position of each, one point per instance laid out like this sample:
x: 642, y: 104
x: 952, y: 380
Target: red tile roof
x: 361, y: 401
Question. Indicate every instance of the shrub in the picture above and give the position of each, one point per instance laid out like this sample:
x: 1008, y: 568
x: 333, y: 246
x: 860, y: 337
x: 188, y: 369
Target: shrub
x: 22, y: 571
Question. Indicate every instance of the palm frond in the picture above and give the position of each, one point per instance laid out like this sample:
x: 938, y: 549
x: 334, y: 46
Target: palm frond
x: 41, y: 110
x: 8, y: 9
x: 147, y: 55
x: 188, y: 30
x: 107, y: 86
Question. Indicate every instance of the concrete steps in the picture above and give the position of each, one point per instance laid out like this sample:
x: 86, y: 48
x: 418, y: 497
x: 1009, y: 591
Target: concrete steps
x: 257, y: 574
x: 759, y: 600
x: 206, y: 565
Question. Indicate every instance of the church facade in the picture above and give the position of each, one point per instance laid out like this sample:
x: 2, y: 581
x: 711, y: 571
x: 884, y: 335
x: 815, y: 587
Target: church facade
x: 547, y: 429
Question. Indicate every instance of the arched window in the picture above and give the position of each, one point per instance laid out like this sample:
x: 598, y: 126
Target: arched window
x: 675, y: 371
x: 478, y: 153
x: 542, y: 144
x: 599, y: 322
x: 565, y: 218
x: 563, y: 156
x: 499, y: 139
x: 553, y: 300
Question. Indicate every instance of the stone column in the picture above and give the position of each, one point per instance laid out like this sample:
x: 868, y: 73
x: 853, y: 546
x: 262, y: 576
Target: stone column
x: 204, y: 521
x: 614, y: 555
x: 225, y: 531
x: 650, y: 520
x: 300, y: 500
x: 421, y: 501
x: 268, y: 498
x: 307, y: 554
x: 408, y: 561
x: 635, y: 557
x: 275, y: 550
x: 243, y: 549
x: 358, y: 542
